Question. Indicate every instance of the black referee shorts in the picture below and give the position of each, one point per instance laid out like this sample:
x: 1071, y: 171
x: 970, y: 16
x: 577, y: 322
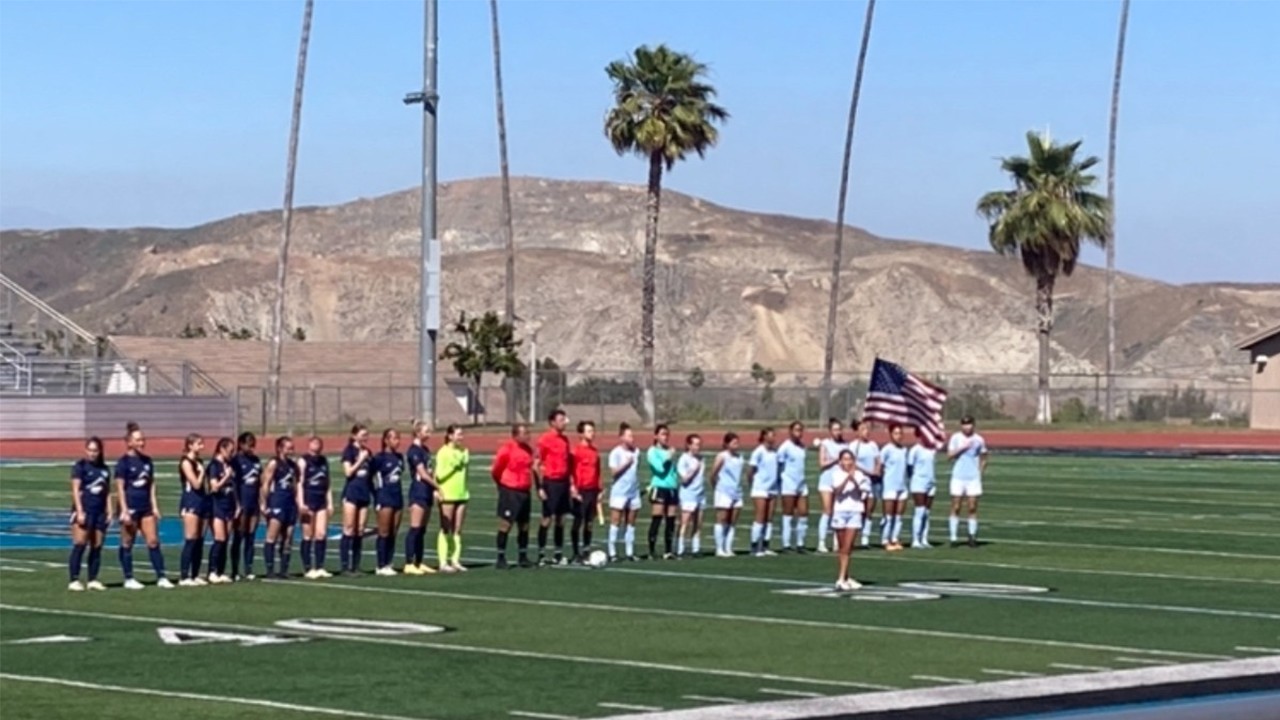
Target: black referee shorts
x: 557, y: 502
x: 513, y: 505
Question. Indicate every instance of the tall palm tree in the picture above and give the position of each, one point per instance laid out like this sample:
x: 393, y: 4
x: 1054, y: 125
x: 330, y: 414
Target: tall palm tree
x: 663, y: 110
x: 282, y: 263
x: 1111, y: 220
x: 1044, y: 219
x: 828, y: 353
x: 509, y: 309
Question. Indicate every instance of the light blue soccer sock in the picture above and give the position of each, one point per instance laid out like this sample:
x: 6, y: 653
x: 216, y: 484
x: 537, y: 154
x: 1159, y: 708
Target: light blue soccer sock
x: 629, y: 540
x: 768, y: 535
x: 695, y: 543
x: 953, y: 523
x: 679, y: 543
x: 719, y: 533
x: 973, y: 527
x: 897, y: 528
x: 613, y: 540
x: 802, y: 529
x: 757, y: 536
x: 924, y: 526
x: 786, y: 532
x: 917, y: 525
x: 728, y: 539
x: 824, y: 529
x: 884, y: 523
x: 866, y: 531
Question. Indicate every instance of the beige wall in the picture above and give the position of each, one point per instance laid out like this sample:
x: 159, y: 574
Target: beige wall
x: 58, y: 418
x: 1264, y: 405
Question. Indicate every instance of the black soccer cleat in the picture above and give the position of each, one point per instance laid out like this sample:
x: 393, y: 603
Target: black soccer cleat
x: 501, y: 564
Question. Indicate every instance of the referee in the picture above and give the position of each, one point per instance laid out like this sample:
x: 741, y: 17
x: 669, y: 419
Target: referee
x: 553, y: 465
x: 513, y: 472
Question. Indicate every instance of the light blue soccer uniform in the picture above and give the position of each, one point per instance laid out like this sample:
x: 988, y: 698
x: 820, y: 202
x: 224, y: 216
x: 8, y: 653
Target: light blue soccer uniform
x: 693, y: 492
x: 920, y: 464
x: 729, y: 482
x: 624, y: 491
x: 893, y: 459
x: 791, y: 469
x: 966, y: 473
x: 832, y: 448
x: 865, y: 454
x: 764, y: 476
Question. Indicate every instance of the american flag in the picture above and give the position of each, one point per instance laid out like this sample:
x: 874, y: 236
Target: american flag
x: 897, y: 396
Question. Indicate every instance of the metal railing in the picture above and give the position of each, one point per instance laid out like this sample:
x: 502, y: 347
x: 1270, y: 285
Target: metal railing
x: 46, y: 310
x: 83, y: 377
x: 17, y: 363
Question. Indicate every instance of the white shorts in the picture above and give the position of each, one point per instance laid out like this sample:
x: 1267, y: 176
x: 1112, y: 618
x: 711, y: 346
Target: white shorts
x: 727, y: 502
x: 800, y: 489
x: 846, y: 519
x: 894, y: 493
x: 764, y: 492
x: 624, y: 502
x: 966, y: 488
x: 692, y: 505
x: 926, y: 488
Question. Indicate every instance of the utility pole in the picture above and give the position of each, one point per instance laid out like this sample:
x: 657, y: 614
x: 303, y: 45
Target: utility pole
x: 429, y: 292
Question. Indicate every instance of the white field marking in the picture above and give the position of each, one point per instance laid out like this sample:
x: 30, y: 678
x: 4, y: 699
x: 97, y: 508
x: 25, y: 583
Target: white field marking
x: 1142, y: 499
x: 796, y: 622
x: 47, y: 639
x: 503, y: 652
x: 1084, y: 668
x: 940, y: 695
x: 940, y: 679
x: 714, y: 699
x: 203, y: 698
x: 701, y: 576
x: 1112, y: 528
x: 790, y: 693
x: 1073, y: 571
x: 1020, y: 508
x: 1013, y: 673
x: 628, y: 706
x: 5, y: 568
x: 541, y: 716
x: 41, y: 563
x: 1135, y: 548
x: 1165, y: 492
x: 1263, y: 650
x: 1143, y: 661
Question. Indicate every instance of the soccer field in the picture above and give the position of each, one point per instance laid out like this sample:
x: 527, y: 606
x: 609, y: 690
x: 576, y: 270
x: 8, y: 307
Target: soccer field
x: 1087, y: 565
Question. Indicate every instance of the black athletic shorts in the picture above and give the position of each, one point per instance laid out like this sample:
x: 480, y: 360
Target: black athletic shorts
x: 586, y: 507
x: 664, y: 496
x: 557, y: 502
x: 513, y: 505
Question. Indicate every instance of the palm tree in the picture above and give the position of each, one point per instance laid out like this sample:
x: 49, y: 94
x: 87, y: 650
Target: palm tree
x: 1043, y: 220
x: 1111, y: 220
x: 509, y: 309
x: 662, y: 111
x: 828, y: 353
x: 277, y: 319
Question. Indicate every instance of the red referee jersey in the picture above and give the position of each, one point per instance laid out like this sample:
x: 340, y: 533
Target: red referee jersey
x: 586, y: 467
x: 513, y: 466
x: 554, y: 453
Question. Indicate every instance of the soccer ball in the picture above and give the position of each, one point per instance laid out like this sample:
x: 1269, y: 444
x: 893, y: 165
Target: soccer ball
x: 597, y: 559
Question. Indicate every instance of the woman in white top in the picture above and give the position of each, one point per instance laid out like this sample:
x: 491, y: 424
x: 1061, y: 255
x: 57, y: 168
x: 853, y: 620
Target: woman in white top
x: 851, y: 488
x: 726, y: 488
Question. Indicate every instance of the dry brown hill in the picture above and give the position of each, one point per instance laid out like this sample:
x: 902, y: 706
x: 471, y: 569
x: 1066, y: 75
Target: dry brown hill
x: 735, y: 287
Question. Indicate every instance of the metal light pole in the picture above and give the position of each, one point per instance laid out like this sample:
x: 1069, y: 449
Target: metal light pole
x: 429, y: 293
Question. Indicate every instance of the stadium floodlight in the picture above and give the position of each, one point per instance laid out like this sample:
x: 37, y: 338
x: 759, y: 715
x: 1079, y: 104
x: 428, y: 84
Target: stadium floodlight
x: 1261, y: 361
x: 429, y: 291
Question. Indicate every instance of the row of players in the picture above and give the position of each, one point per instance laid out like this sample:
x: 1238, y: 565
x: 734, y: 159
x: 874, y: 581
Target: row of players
x: 230, y: 493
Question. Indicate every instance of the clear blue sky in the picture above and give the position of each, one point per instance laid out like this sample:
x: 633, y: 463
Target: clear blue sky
x: 176, y: 113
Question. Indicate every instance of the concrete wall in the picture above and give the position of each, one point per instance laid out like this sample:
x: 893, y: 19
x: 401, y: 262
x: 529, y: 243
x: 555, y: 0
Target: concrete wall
x: 1264, y: 406
x: 53, y: 418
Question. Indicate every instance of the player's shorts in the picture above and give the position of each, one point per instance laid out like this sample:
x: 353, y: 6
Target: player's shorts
x: 421, y: 494
x: 315, y: 502
x: 663, y: 496
x: 846, y: 520
x: 586, y: 506
x: 514, y: 505
x: 358, y: 493
x: 283, y: 514
x: 192, y: 505
x: 624, y: 502
x: 927, y: 487
x: 893, y: 492
x: 692, y: 504
x: 249, y: 501
x: 966, y: 488
x: 93, y: 520
x: 727, y: 501
x: 391, y: 496
x: 140, y: 508
x: 224, y: 507
x: 764, y: 491
x: 557, y: 502
x: 795, y: 488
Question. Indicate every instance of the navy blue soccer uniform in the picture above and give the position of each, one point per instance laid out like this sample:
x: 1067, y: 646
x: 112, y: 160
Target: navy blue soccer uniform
x: 315, y: 482
x: 194, y: 500
x: 420, y: 492
x: 138, y: 474
x: 223, y: 500
x: 248, y: 476
x: 358, y: 490
x: 95, y: 490
x: 388, y: 467
x: 282, y: 493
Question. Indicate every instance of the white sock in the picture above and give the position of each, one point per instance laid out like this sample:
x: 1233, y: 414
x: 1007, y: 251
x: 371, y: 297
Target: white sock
x: 954, y: 523
x: 695, y: 543
x: 866, y: 531
x: 630, y: 540
x: 719, y: 534
x: 884, y: 523
x: 613, y: 540
x: 897, y: 528
x: 824, y: 528
x: 680, y: 542
x: 924, y: 526
x: 728, y: 539
x: 973, y: 527
x: 786, y: 532
x: 802, y: 529
x: 917, y: 524
x: 757, y: 533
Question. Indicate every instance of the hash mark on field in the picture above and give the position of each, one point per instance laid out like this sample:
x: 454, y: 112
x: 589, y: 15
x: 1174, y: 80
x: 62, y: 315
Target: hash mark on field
x: 16, y: 569
x: 791, y: 693
x: 1086, y: 668
x: 940, y: 679
x: 714, y: 699
x: 1253, y: 649
x: 627, y: 706
x: 1143, y: 661
x: 1012, y: 673
x: 541, y: 716
x: 205, y: 698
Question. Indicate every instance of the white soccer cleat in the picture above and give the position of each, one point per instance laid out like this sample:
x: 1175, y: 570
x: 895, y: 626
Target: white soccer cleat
x: 75, y: 586
x: 199, y: 582
x: 250, y: 576
x: 95, y: 585
x: 185, y: 583
x: 322, y: 574
x: 310, y: 574
x: 852, y: 584
x: 164, y: 584
x: 823, y: 549
x: 459, y: 567
x: 133, y: 584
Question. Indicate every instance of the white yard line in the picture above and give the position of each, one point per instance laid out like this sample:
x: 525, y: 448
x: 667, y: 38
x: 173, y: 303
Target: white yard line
x: 5, y: 568
x: 940, y: 679
x: 790, y: 693
x: 762, y: 620
x: 1082, y: 668
x: 1012, y: 673
x: 452, y: 647
x: 1073, y: 571
x: 220, y: 699
x: 540, y: 715
x: 714, y: 699
x: 628, y: 706
x: 1135, y: 548
x: 1143, y: 661
x: 1254, y: 649
x: 41, y: 563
